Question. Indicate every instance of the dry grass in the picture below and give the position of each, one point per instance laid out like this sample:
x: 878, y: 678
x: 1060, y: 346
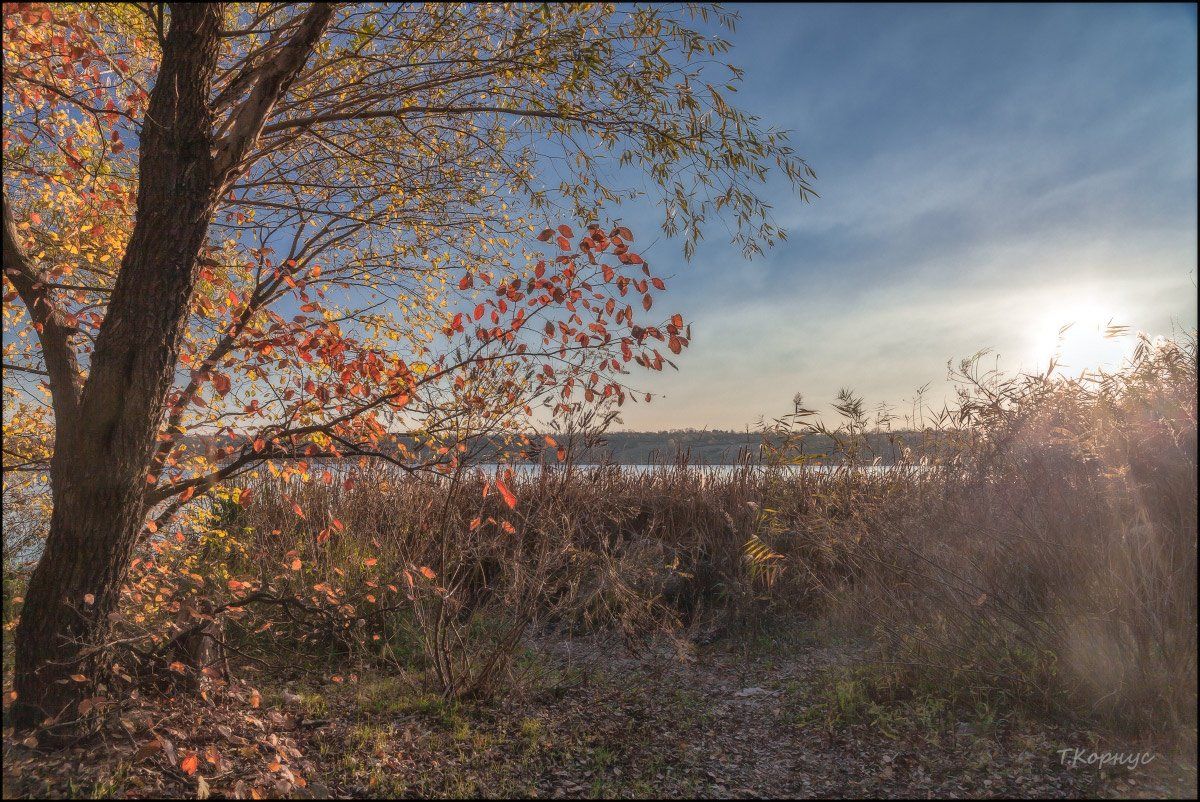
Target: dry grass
x: 1037, y: 553
x: 1040, y: 552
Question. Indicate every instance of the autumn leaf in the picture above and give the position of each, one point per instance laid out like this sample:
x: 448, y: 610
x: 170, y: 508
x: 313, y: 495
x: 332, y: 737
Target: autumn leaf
x: 189, y: 764
x: 507, y: 494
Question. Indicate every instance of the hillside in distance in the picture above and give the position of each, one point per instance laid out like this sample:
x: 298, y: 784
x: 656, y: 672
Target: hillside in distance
x: 693, y: 446
x: 720, y: 447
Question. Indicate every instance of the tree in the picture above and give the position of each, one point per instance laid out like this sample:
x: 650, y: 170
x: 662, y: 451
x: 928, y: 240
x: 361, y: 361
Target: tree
x: 299, y: 229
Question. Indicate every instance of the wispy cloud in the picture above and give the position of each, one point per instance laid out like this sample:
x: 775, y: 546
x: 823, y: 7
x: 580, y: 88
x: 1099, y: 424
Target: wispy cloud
x: 982, y: 171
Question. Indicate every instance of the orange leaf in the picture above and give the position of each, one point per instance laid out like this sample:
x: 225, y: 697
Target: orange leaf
x: 509, y: 498
x: 189, y: 765
x: 370, y: 561
x: 427, y: 572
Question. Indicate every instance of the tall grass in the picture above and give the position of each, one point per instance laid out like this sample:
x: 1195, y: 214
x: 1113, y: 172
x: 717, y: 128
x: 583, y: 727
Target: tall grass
x: 1058, y: 566
x: 1038, y: 551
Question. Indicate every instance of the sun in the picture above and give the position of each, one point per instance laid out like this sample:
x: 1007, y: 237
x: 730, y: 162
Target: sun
x: 1078, y: 334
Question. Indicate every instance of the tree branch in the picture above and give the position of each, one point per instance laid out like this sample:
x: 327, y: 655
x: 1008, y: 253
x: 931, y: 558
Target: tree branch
x: 62, y: 366
x: 274, y: 78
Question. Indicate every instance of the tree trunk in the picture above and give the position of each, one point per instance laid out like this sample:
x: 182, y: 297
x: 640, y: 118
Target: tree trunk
x: 98, y: 473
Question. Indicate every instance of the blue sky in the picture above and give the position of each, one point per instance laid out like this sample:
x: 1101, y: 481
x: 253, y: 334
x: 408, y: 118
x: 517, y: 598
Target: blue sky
x: 987, y: 175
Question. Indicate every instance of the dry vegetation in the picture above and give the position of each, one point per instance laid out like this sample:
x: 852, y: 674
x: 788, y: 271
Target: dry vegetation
x: 1035, y: 562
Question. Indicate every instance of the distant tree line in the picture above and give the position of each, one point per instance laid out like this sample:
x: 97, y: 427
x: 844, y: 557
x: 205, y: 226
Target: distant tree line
x: 695, y: 446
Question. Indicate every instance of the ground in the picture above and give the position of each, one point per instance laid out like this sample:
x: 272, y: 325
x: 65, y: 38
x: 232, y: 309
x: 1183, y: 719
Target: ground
x: 752, y: 717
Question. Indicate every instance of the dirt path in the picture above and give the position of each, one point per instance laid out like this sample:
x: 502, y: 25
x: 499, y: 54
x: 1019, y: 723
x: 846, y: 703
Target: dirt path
x: 783, y: 721
x: 757, y: 727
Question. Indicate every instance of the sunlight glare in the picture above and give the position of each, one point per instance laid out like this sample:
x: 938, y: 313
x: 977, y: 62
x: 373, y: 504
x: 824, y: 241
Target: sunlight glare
x: 1079, y: 333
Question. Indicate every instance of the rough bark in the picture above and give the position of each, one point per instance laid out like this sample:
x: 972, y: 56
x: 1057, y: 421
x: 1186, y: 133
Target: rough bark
x: 98, y: 473
x: 106, y: 433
